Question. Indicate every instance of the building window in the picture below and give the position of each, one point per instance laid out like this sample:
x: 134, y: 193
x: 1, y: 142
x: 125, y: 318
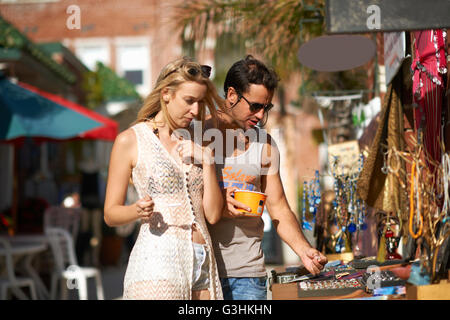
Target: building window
x: 133, y: 63
x: 26, y: 1
x: 136, y: 77
x: 91, y: 54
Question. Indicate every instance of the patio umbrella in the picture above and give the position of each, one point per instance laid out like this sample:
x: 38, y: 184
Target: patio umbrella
x: 26, y: 111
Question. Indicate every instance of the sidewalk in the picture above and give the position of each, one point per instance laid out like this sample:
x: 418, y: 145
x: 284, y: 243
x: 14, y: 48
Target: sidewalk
x: 112, y: 278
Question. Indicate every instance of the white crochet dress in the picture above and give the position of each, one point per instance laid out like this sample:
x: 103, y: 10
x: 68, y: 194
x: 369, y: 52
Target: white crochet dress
x: 161, y: 262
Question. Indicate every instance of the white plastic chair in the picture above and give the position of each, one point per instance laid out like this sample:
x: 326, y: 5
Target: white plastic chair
x: 67, y: 270
x: 11, y: 281
x: 61, y: 217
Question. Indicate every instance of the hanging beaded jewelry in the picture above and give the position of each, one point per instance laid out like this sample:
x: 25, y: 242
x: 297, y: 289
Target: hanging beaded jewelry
x: 348, y: 209
x: 414, y: 189
x: 305, y: 224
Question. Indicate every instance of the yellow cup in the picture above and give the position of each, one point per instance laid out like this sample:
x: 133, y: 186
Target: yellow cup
x: 253, y: 199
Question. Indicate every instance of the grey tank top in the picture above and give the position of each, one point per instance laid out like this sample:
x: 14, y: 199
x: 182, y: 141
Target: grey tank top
x: 237, y: 241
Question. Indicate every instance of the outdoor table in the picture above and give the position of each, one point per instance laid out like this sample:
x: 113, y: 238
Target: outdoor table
x: 26, y: 247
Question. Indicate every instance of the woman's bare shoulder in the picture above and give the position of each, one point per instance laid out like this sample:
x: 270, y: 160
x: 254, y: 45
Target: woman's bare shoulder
x: 126, y: 139
x: 125, y: 148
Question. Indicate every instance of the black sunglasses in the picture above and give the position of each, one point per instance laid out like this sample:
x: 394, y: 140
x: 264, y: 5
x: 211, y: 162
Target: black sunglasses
x: 193, y: 71
x: 204, y: 69
x: 255, y: 106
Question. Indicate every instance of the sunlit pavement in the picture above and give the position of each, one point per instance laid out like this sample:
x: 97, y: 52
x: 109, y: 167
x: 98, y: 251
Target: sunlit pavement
x: 112, y: 279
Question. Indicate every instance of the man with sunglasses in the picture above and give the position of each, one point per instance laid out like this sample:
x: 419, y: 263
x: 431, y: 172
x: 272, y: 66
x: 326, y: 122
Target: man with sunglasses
x: 251, y: 164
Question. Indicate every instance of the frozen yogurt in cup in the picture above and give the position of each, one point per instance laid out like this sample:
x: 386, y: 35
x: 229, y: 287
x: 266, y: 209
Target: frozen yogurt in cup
x: 253, y: 199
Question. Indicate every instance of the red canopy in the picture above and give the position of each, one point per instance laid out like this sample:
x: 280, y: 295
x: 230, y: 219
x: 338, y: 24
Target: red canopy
x: 108, y: 131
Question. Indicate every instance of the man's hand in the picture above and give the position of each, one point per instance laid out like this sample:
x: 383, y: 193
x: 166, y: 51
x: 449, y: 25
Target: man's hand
x: 313, y: 260
x: 233, y: 205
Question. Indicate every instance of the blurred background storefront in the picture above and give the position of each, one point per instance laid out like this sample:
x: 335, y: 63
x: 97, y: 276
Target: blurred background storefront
x: 106, y: 55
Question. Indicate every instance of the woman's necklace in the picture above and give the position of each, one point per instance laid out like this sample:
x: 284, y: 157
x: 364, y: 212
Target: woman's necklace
x: 155, y: 128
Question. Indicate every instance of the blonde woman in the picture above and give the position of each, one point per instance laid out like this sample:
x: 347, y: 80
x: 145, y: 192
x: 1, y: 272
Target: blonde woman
x: 177, y: 187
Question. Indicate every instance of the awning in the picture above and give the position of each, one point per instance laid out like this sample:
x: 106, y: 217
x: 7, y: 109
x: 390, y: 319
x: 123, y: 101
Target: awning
x: 26, y: 111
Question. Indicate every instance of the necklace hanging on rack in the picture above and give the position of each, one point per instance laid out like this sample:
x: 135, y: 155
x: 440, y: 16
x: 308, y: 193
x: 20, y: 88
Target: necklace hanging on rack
x: 305, y: 223
x: 415, y: 192
x: 317, y: 192
x: 311, y: 200
x: 445, y: 178
x: 362, y: 225
x: 349, y: 209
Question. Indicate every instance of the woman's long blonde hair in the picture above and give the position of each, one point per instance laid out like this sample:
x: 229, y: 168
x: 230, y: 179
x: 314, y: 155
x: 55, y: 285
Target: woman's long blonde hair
x: 171, y: 76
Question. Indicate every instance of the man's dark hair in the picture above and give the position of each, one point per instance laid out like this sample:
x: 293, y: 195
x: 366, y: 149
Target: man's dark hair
x: 249, y: 71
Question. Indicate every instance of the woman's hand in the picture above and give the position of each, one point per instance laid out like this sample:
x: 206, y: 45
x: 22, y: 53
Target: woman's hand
x: 145, y: 206
x: 192, y: 153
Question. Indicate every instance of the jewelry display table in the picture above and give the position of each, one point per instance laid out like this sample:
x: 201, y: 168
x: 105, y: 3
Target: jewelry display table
x: 290, y: 291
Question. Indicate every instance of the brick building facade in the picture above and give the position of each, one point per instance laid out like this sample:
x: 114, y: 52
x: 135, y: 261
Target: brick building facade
x: 135, y: 38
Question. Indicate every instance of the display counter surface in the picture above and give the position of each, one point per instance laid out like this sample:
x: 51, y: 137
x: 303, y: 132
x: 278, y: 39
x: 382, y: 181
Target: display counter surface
x: 289, y: 291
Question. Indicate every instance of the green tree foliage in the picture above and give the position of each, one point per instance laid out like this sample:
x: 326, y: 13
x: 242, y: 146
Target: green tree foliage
x: 274, y: 28
x: 105, y: 85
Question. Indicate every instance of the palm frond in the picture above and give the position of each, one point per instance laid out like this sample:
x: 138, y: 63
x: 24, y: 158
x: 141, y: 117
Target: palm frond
x: 273, y: 28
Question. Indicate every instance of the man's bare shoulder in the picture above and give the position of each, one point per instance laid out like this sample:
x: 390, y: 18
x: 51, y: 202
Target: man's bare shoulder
x: 210, y: 123
x: 270, y: 160
x: 266, y: 138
